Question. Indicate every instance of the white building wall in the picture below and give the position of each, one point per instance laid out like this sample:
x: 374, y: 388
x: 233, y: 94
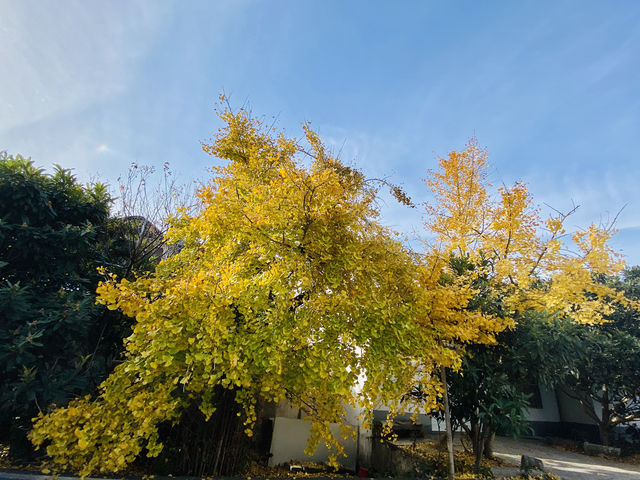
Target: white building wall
x: 549, y: 411
x: 291, y: 431
x: 572, y: 411
x: 290, y: 437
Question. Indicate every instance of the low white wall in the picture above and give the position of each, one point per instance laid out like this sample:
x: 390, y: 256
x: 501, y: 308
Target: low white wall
x: 290, y: 437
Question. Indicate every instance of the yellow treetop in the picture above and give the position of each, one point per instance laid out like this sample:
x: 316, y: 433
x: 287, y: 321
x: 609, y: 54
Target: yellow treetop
x: 530, y: 262
x: 284, y: 286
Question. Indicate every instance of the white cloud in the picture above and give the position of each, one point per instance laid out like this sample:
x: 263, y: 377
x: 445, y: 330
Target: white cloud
x: 102, y: 148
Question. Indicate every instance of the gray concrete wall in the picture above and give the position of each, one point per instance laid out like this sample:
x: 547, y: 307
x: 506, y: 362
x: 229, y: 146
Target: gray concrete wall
x: 390, y: 460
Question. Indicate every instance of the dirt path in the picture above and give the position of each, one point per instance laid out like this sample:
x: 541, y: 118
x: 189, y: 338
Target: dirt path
x: 568, y: 465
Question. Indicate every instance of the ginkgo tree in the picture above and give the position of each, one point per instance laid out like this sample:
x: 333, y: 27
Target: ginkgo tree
x: 506, y: 237
x: 284, y: 286
x: 516, y: 261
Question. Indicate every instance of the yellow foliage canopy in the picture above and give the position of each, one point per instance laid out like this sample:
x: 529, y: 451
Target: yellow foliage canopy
x: 525, y: 258
x: 284, y: 286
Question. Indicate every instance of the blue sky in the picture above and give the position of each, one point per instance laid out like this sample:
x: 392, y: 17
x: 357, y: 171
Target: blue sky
x: 551, y: 88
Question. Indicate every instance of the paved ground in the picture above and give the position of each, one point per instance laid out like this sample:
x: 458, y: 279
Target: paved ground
x: 568, y: 465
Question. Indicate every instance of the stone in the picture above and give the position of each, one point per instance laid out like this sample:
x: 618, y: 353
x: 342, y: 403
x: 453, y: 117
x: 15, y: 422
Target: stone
x: 596, y: 449
x: 530, y: 463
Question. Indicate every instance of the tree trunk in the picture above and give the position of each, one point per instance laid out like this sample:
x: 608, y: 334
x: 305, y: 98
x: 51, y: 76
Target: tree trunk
x: 479, y: 452
x: 605, y: 436
x: 475, y: 434
x: 605, y: 423
x: 488, y: 445
x: 447, y: 419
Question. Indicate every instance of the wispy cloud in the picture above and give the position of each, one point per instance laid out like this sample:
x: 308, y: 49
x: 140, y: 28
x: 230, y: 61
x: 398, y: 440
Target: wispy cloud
x: 601, y: 196
x: 59, y: 58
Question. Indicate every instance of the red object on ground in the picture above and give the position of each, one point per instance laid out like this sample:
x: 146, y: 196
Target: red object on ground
x: 363, y: 472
